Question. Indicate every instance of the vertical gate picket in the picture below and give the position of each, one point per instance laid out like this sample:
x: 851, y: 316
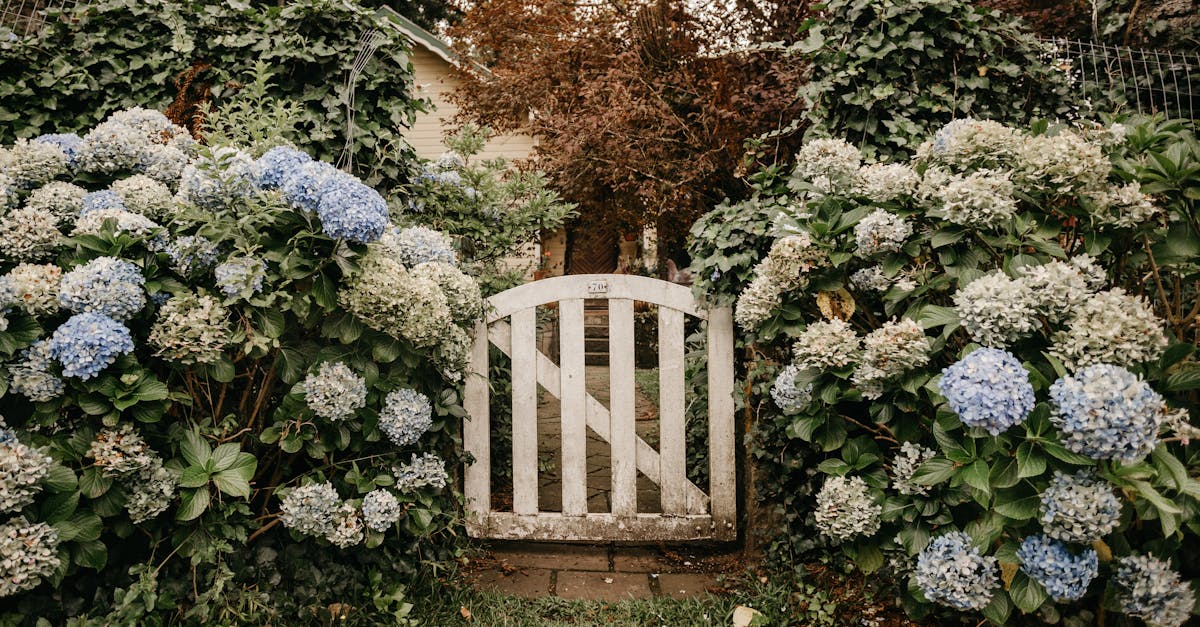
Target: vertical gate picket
x: 671, y: 406
x: 524, y: 411
x: 722, y: 481
x: 622, y: 435
x: 573, y: 395
x: 477, y: 480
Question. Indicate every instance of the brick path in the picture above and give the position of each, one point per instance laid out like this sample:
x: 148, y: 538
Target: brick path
x: 602, y: 573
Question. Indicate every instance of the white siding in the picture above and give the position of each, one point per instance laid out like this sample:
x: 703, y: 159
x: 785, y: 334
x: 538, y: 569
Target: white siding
x: 435, y: 80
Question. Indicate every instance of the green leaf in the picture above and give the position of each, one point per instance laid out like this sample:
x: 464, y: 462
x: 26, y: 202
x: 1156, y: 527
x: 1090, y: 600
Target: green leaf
x: 1019, y: 509
x: 193, y: 477
x: 868, y: 557
x: 58, y: 507
x: 834, y: 467
x: 224, y: 455
x: 93, y: 483
x: 232, y: 484
x: 933, y: 316
x: 999, y: 609
x: 1188, y: 379
x: 934, y: 471
x: 60, y: 479
x: 195, y: 449
x: 222, y: 370
x: 976, y: 475
x: 91, y: 554
x: 192, y: 503
x: 1030, y: 462
x: 1027, y: 594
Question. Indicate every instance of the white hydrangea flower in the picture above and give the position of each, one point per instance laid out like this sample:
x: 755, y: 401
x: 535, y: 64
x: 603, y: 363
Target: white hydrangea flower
x: 28, y: 554
x: 150, y: 492
x: 891, y: 350
x: 335, y: 391
x: 784, y: 269
x: 968, y: 143
x: 885, y: 182
x: 428, y: 470
x: 164, y: 164
x: 29, y: 235
x: 31, y: 163
x: 827, y: 345
x: 64, y: 200
x: 827, y: 164
x: 34, y: 288
x: 390, y: 299
x: 22, y: 469
x: 121, y: 452
x: 757, y: 302
x: 219, y: 179
x: 1061, y: 164
x: 983, y: 200
x: 347, y: 528
x: 881, y: 232
x: 134, y: 224
x: 111, y: 147
x: 951, y: 571
x: 416, y: 245
x: 310, y: 509
x: 1110, y: 327
x: 997, y: 310
x: 905, y: 464
x: 461, y: 291
x: 1151, y: 590
x: 453, y: 353
x: 846, y: 509
x: 1059, y: 287
x: 191, y: 329
x: 142, y: 194
x: 380, y: 510
x: 9, y: 194
x: 1124, y: 207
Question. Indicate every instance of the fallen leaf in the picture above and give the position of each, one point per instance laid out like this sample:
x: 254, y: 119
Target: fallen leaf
x: 465, y: 612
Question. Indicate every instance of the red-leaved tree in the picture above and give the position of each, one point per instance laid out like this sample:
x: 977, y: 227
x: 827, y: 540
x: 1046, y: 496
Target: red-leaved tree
x: 642, y: 108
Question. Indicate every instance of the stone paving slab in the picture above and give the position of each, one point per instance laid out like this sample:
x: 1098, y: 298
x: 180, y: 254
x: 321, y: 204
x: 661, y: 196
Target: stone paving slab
x: 635, y: 560
x: 553, y: 556
x: 685, y: 586
x: 530, y: 583
x: 602, y: 586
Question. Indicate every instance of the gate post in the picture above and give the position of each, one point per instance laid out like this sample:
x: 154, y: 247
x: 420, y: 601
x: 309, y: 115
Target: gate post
x: 477, y: 479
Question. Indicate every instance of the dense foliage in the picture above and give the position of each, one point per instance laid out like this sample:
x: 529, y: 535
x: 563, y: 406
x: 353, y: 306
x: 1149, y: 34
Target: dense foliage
x: 114, y: 54
x: 886, y: 74
x: 992, y: 363
x: 224, y: 372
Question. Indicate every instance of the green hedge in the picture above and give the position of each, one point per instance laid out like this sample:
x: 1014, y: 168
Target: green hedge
x: 116, y: 54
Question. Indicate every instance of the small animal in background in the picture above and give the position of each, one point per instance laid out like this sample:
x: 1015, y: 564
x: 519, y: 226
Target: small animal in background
x: 675, y: 275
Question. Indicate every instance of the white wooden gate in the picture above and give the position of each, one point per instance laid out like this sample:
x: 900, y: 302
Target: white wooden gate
x: 688, y: 513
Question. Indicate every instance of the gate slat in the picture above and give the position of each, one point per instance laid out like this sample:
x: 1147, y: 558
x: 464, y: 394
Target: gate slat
x: 721, y: 453
x: 524, y: 411
x: 573, y: 407
x: 622, y: 435
x: 477, y: 486
x: 671, y: 407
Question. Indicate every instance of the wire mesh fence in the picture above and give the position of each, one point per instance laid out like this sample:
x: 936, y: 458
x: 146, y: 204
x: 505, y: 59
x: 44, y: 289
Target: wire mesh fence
x: 1146, y: 81
x: 23, y: 18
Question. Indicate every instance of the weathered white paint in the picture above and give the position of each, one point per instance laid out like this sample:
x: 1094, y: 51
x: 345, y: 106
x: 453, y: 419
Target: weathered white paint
x: 477, y: 479
x: 524, y: 411
x: 672, y: 460
x: 573, y: 407
x: 721, y: 453
x: 688, y: 513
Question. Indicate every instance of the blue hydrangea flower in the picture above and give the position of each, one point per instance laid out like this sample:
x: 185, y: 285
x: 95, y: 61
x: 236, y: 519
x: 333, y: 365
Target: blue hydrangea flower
x: 302, y: 186
x: 105, y: 285
x: 350, y: 210
x: 988, y: 388
x: 277, y: 165
x: 103, y: 199
x: 89, y: 342
x: 1151, y: 590
x: 241, y: 276
x: 1064, y: 575
x: 406, y: 415
x: 380, y: 510
x: 1079, y: 507
x: 192, y: 254
x: 428, y: 470
x: 416, y: 245
x: 788, y: 396
x: 1107, y: 412
x: 69, y: 142
x: 951, y: 571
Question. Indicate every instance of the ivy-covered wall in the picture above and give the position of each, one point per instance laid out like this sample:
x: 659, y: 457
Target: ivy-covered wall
x: 121, y: 53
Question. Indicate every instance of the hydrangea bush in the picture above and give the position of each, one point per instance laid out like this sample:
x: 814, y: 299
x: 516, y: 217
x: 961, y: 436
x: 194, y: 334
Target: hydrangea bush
x: 207, y: 352
x: 983, y: 356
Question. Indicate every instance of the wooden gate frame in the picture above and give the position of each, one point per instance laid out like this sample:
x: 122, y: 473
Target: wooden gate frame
x: 688, y: 513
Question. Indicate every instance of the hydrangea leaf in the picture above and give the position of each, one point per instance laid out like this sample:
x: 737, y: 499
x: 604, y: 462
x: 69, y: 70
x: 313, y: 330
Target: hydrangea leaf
x: 1027, y: 594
